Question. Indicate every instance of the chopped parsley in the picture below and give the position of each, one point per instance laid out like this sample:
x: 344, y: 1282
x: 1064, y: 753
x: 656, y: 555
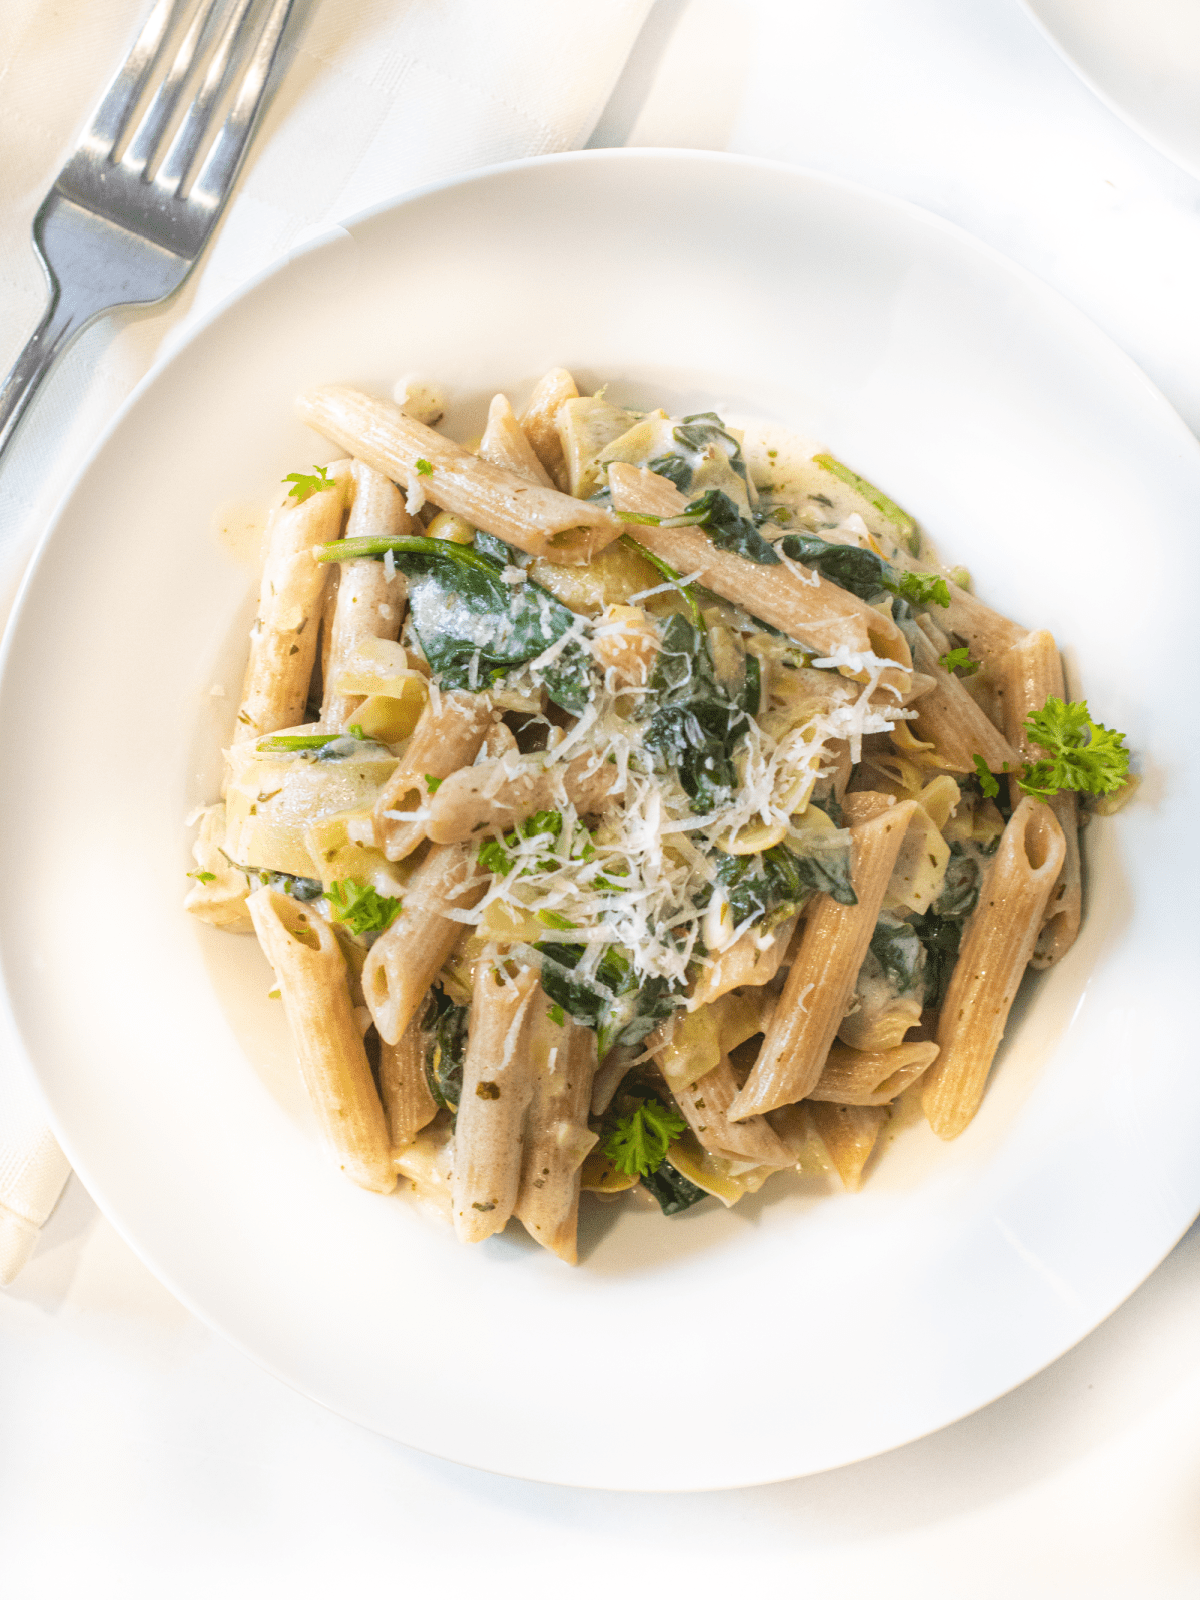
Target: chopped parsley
x: 203, y: 877
x: 959, y: 661
x: 425, y: 468
x: 637, y: 1144
x: 360, y: 907
x: 432, y: 784
x: 987, y: 783
x: 920, y: 588
x: 306, y: 483
x: 557, y: 1015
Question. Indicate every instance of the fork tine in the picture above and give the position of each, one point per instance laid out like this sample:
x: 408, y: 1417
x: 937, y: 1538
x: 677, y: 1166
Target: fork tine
x: 191, y: 131
x: 216, y: 175
x: 149, y: 131
x: 107, y: 124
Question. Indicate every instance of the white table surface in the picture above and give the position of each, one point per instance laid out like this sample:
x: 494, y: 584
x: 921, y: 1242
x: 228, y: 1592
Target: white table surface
x: 141, y: 1455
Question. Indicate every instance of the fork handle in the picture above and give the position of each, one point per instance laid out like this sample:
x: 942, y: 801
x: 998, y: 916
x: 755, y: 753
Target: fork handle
x: 50, y: 338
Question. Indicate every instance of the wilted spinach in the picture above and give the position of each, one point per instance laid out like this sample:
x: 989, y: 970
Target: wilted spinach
x: 473, y: 626
x: 691, y: 724
x: 861, y: 572
x: 960, y: 892
x: 781, y: 881
x: 729, y: 530
x: 941, y: 937
x: 672, y: 1190
x: 621, y: 1007
x: 899, y: 951
x: 445, y: 1025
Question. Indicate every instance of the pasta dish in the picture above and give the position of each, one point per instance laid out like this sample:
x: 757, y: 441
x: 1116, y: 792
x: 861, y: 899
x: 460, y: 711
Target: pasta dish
x: 633, y: 802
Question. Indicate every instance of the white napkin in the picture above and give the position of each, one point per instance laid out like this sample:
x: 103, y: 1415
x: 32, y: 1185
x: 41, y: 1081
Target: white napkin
x: 379, y: 96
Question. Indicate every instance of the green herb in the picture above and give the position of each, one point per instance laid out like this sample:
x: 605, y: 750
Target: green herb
x: 473, y: 627
x: 921, y: 588
x: 959, y: 661
x: 960, y: 890
x: 203, y: 877
x: 987, y: 784
x: 555, y: 919
x: 672, y: 1190
x: 306, y: 483
x: 424, y: 467
x: 637, y: 1144
x: 691, y: 723
x: 432, y: 784
x: 356, y: 731
x: 861, y: 572
x: 904, y: 525
x: 360, y: 907
x: 557, y: 1015
x: 941, y: 937
x: 1080, y: 754
x: 494, y: 855
x: 303, y: 889
x: 279, y: 743
x: 780, y: 880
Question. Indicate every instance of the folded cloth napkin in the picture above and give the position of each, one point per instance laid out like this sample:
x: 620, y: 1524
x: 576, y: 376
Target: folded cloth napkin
x: 377, y: 96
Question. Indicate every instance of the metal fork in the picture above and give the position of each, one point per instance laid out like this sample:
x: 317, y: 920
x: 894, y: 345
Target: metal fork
x: 115, y: 232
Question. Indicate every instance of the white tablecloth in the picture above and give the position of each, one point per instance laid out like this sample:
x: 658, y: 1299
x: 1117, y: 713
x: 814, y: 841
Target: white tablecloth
x: 141, y: 1455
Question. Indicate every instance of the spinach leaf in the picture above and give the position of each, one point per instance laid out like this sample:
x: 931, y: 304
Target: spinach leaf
x: 941, y: 937
x: 474, y: 628
x: 705, y: 428
x: 725, y: 525
x: 674, y: 468
x: 960, y: 892
x: 446, y: 1025
x: 899, y: 951
x: 288, y: 883
x: 620, y: 1007
x: 781, y: 881
x: 692, y: 726
x: 672, y: 1190
x: 861, y: 572
x: 497, y: 550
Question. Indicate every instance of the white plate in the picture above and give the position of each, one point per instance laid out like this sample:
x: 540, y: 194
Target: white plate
x: 806, y: 1328
x: 1142, y: 57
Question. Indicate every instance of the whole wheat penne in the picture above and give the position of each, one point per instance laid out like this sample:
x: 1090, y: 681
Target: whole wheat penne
x: 705, y: 1104
x: 403, y: 1087
x: 539, y: 420
x: 997, y: 943
x: 952, y: 721
x: 498, y: 1084
x: 312, y: 979
x: 499, y: 794
x: 505, y: 444
x: 823, y: 616
x: 557, y: 1137
x: 752, y: 958
x: 450, y: 734
x: 1029, y: 673
x: 369, y: 604
x: 540, y: 520
x: 871, y: 1077
x: 823, y: 972
x: 405, y: 959
x: 849, y: 1134
x: 283, y: 640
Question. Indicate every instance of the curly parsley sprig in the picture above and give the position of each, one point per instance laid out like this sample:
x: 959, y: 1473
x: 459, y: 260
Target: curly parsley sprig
x: 306, y: 483
x: 1080, y: 754
x: 637, y: 1144
x: 360, y: 907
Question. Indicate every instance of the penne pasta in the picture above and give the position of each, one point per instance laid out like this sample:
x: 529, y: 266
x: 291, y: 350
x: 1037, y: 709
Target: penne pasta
x: 871, y: 1077
x: 283, y: 640
x: 823, y: 971
x: 367, y: 603
x: 849, y: 1134
x: 448, y: 737
x: 539, y: 421
x: 950, y: 720
x: 498, y: 1084
x: 706, y: 1103
x: 311, y: 974
x: 403, y: 1087
x: 542, y: 521
x: 1031, y: 672
x: 997, y: 944
x: 505, y: 444
x: 557, y: 1137
x: 408, y: 956
x: 498, y: 794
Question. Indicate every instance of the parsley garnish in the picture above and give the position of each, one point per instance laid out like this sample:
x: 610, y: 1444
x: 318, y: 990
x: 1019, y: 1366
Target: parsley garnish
x: 1080, y: 754
x: 920, y: 588
x: 959, y: 661
x: 203, y: 877
x: 424, y: 467
x: 557, y: 1015
x: 356, y: 732
x: 986, y: 782
x: 360, y: 907
x: 432, y: 784
x: 306, y: 483
x: 554, y: 919
x: 637, y: 1144
x: 493, y: 855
